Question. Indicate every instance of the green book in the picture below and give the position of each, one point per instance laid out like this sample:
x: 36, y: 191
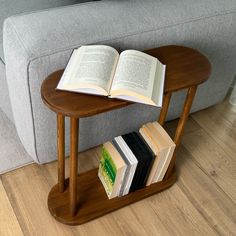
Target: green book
x: 108, y: 169
x: 111, y: 170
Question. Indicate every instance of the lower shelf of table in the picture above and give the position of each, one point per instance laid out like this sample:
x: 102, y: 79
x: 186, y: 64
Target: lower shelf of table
x: 92, y: 199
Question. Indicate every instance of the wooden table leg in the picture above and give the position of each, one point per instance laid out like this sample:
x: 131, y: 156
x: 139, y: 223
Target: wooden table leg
x: 61, y: 151
x: 164, y: 109
x: 181, y: 125
x: 74, y: 130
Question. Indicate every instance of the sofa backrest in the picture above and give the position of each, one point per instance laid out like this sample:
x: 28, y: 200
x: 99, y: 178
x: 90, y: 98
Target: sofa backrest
x: 13, y: 7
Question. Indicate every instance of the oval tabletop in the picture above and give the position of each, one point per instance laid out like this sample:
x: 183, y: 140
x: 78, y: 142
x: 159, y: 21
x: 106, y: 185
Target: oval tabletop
x: 185, y: 67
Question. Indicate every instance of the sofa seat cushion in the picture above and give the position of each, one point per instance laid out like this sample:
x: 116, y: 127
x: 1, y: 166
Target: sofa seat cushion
x: 13, y: 7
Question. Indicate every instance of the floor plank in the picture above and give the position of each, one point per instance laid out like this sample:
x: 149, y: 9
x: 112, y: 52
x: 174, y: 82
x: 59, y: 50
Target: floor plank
x: 178, y: 214
x: 27, y: 191
x: 226, y: 110
x: 209, y: 199
x: 223, y: 130
x: 8, y: 221
x: 101, y: 226
x: 213, y: 160
x: 139, y: 219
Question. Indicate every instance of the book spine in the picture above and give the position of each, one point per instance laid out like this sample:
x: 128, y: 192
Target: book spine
x: 107, y: 171
x: 127, y: 171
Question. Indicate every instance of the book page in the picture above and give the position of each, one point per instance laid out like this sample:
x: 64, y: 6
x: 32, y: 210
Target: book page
x: 158, y: 87
x: 135, y: 72
x: 68, y: 70
x: 92, y: 66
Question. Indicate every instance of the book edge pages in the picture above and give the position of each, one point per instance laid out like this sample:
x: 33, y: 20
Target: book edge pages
x: 172, y: 145
x: 163, y: 132
x: 162, y: 85
x: 163, y: 153
x: 166, y: 164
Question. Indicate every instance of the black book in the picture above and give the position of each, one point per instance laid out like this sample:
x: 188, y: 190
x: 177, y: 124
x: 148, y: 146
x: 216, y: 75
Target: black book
x: 148, y: 157
x: 143, y: 160
x: 149, y: 153
x: 144, y: 156
x: 131, y: 142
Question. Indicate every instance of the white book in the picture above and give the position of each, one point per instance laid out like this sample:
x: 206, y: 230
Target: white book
x: 171, y: 149
x: 133, y: 164
x: 166, y: 146
x: 128, y: 168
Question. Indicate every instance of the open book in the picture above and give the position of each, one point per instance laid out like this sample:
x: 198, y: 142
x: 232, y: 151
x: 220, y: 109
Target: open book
x: 100, y: 70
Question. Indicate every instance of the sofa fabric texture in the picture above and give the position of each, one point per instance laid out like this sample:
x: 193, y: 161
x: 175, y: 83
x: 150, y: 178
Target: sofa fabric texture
x: 13, y: 7
x: 5, y: 104
x: 36, y: 44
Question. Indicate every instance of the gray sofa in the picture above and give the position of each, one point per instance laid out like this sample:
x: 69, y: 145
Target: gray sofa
x: 36, y: 44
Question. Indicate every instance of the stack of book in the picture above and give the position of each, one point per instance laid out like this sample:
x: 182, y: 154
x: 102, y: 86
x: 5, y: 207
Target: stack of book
x: 135, y: 160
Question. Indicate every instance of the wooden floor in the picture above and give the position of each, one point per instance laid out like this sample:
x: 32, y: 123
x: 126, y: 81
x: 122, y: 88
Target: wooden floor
x: 202, y: 202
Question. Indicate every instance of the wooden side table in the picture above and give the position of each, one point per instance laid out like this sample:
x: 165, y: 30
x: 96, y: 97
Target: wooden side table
x: 79, y: 199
